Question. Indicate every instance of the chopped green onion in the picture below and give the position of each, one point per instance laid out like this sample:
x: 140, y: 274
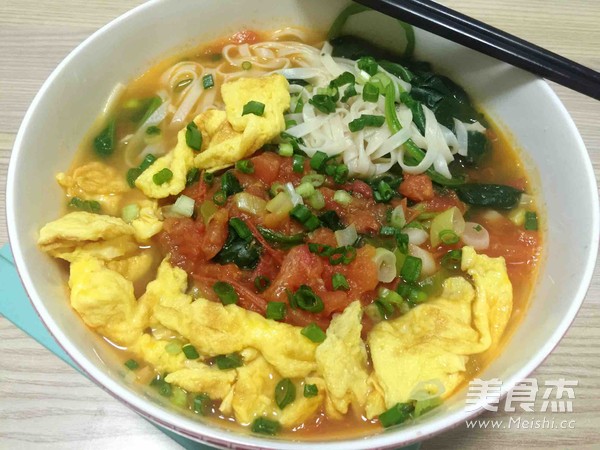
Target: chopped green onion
x: 305, y: 190
x: 201, y: 404
x: 153, y: 130
x: 341, y: 173
x: 130, y: 212
x: 286, y: 149
x: 423, y: 406
x: 315, y: 179
x: 411, y: 269
x: 220, y: 198
x: 318, y: 160
x: 208, y: 81
x: 230, y: 361
x: 285, y: 393
x: 275, y: 310
x: 162, y: 176
x: 192, y: 176
x: 452, y: 260
x: 320, y: 249
x: 179, y: 397
x: 173, y: 348
x: 246, y: 65
x: 388, y: 231
x: 307, y: 300
x: 303, y: 215
x: 383, y: 193
x: 397, y: 414
x: 316, y: 201
x: 402, y: 242
x: 153, y: 104
x: 339, y: 282
x: 310, y: 390
x: 85, y: 205
x: 281, y: 240
x: 261, y: 283
x: 245, y: 166
x: 193, y: 136
x: 349, y: 93
x: 290, y: 123
x: 397, y: 219
x: 370, y: 93
x: 314, y: 333
x: 262, y: 425
x: 209, y: 178
x: 344, y: 78
x: 368, y: 64
x: 323, y: 103
x: 385, y: 261
x: 330, y: 91
x: 366, y: 120
x: 190, y: 351
x: 230, y: 184
x: 135, y: 172
x: 342, y: 255
x: 298, y: 163
x: 254, y: 107
x: 448, y: 237
x: 531, y: 221
x: 241, y: 228
x: 104, y: 143
x: 184, y: 206
x: 132, y: 364
x: 226, y: 292
x: 162, y: 386
x: 342, y: 197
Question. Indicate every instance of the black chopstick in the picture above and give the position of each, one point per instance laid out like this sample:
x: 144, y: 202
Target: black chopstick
x: 484, y: 38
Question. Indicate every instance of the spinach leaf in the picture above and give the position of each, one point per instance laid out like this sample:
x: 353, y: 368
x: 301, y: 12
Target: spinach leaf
x: 104, y: 143
x: 479, y: 147
x: 353, y: 47
x: 244, y: 253
x: 331, y: 220
x: 281, y: 240
x: 497, y: 196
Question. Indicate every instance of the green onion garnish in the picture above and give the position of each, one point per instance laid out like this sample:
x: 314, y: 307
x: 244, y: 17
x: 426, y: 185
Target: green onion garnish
x: 162, y: 176
x: 104, y: 143
x: 209, y: 178
x: 226, y: 292
x: 230, y: 361
x: 318, y: 160
x: 153, y: 130
x: 452, y: 260
x: 314, y: 333
x: 285, y: 393
x: 220, y: 198
x: 285, y: 149
x: 323, y: 103
x: 131, y: 364
x: 531, y: 221
x: 303, y: 215
x: 192, y: 176
x: 349, y: 93
x: 208, y: 81
x: 193, y: 136
x: 290, y: 123
x: 298, y: 163
x: 315, y: 179
x: 320, y: 249
x: 245, y: 166
x: 387, y: 231
x: 310, y: 390
x: 135, y: 172
x: 230, y: 184
x: 342, y: 255
x: 370, y: 93
x: 368, y: 64
x: 316, y: 201
x: 85, y: 205
x: 411, y: 269
x: 201, y: 404
x: 246, y: 65
x: 344, y: 78
x: 261, y: 283
x: 397, y: 414
x: 162, y: 386
x: 275, y: 310
x: 342, y: 197
x: 341, y: 173
x: 305, y: 190
x: 253, y: 107
x: 262, y: 425
x: 307, y: 300
x: 366, y: 120
x: 383, y: 193
x: 190, y: 351
x: 241, y: 228
x: 448, y: 237
x: 339, y: 282
x: 402, y: 242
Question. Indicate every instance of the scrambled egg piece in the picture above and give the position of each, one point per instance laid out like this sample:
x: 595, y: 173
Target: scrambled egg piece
x: 253, y: 396
x: 95, y: 181
x: 134, y: 267
x: 149, y: 221
x: 198, y: 377
x: 433, y: 340
x: 215, y: 329
x: 104, y: 299
x: 342, y: 361
x: 234, y: 136
x: 82, y: 233
x: 153, y: 352
x: 178, y: 161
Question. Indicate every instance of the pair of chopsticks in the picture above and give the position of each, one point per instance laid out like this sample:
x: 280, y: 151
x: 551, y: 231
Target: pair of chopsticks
x: 484, y: 38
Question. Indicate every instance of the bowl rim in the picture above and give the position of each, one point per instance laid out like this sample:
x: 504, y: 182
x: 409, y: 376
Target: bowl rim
x: 204, y: 432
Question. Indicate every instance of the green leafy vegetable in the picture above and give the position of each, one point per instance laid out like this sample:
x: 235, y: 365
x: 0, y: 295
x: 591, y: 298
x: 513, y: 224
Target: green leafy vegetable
x: 262, y: 425
x: 496, y: 196
x: 285, y: 393
x: 104, y: 143
x: 244, y: 253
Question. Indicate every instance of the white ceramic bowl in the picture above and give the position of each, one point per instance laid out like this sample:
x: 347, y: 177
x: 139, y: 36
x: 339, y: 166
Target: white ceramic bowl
x: 73, y: 96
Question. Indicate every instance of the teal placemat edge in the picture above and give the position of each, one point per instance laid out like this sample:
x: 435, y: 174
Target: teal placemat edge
x: 17, y: 308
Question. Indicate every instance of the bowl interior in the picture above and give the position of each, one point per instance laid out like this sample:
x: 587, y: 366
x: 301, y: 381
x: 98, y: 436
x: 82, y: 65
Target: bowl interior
x: 74, y: 95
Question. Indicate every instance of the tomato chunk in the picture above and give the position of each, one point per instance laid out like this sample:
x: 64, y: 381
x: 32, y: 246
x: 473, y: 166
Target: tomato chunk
x: 417, y: 187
